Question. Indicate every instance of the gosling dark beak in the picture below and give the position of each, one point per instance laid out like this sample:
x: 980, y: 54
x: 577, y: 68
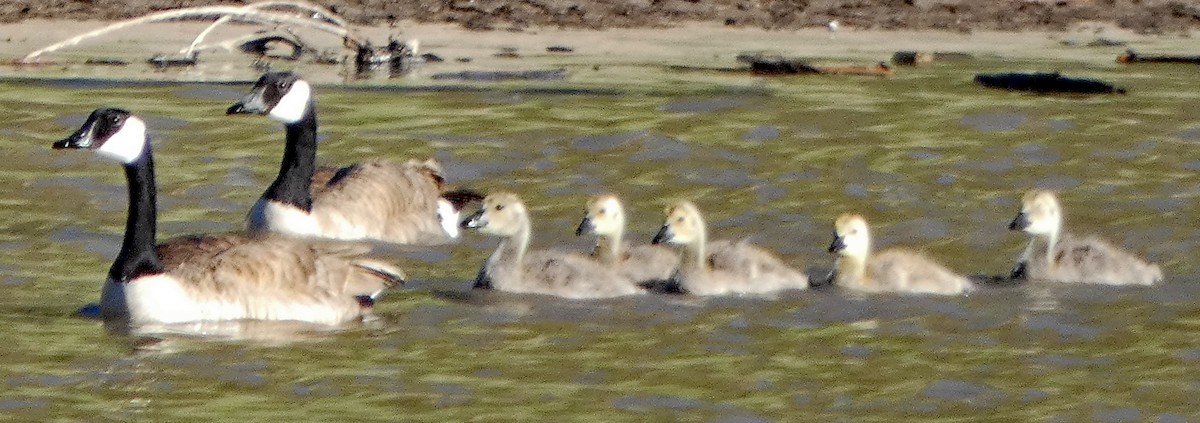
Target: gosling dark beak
x: 585, y: 226
x: 250, y: 104
x: 837, y: 245
x: 663, y: 235
x: 1019, y: 223
x: 78, y: 140
x: 474, y: 221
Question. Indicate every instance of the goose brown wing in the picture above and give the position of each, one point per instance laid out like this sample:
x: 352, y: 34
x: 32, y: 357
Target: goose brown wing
x: 388, y: 201
x: 195, y: 248
x: 322, y: 176
x: 278, y: 270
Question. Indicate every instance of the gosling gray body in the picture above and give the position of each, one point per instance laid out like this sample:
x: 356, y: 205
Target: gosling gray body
x: 512, y: 268
x: 722, y: 267
x: 1055, y: 255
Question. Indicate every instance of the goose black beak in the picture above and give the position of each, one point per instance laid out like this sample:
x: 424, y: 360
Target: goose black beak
x: 585, y: 226
x: 663, y: 235
x: 250, y: 104
x: 474, y: 221
x: 1019, y: 223
x: 838, y: 244
x: 78, y: 140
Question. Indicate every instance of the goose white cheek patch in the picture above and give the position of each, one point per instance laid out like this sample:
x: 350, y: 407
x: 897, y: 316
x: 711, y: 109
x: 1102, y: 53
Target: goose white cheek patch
x: 127, y: 143
x: 448, y: 217
x: 293, y: 104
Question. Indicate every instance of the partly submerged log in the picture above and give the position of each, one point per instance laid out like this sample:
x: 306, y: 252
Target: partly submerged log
x: 1130, y: 57
x: 914, y: 58
x: 911, y: 58
x: 1046, y: 83
x: 494, y: 76
x: 878, y: 69
x: 775, y: 65
x: 162, y: 61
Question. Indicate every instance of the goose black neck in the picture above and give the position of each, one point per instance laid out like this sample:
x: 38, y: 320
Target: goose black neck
x: 137, y: 255
x: 299, y: 162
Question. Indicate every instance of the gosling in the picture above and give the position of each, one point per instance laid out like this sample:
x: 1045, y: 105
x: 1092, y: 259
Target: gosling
x: 512, y: 268
x: 605, y: 218
x: 891, y: 270
x: 1068, y: 258
x: 722, y: 267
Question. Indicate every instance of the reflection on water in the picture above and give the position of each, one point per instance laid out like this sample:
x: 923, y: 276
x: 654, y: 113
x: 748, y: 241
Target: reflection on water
x: 774, y: 160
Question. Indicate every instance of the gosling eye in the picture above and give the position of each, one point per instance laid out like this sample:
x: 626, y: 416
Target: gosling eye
x: 499, y: 207
x: 679, y: 219
x: 601, y: 212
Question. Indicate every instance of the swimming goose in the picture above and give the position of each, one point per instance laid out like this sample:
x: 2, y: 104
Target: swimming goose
x: 644, y: 263
x: 890, y: 270
x: 1069, y: 258
x: 514, y: 269
x: 722, y: 267
x: 375, y: 199
x: 222, y: 276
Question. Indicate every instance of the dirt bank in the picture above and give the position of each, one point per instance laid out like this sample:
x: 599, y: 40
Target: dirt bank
x: 1142, y: 16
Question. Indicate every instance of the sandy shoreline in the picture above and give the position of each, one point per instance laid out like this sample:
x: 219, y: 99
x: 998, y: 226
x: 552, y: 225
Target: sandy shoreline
x: 705, y: 45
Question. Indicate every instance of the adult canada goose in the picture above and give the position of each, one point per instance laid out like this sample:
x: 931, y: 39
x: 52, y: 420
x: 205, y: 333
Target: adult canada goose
x: 375, y: 199
x: 514, y: 269
x: 644, y: 263
x: 722, y: 267
x: 217, y: 277
x: 890, y: 270
x: 1069, y: 258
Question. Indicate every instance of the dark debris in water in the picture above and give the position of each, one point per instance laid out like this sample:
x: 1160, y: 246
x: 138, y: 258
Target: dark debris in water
x: 494, y: 76
x: 1046, y: 83
x: 775, y: 65
x: 104, y: 61
x: 162, y: 61
x: 1131, y: 57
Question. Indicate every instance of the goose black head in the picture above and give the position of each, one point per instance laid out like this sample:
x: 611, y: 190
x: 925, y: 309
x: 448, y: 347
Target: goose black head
x: 282, y: 95
x: 110, y: 132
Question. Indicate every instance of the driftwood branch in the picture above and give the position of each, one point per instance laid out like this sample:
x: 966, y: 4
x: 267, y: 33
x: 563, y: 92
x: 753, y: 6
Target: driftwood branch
x: 247, y: 13
x: 317, y: 11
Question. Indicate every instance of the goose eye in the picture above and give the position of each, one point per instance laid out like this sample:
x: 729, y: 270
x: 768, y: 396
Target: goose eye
x: 284, y: 85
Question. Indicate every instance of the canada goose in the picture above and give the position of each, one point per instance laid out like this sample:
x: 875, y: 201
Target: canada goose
x: 722, y: 267
x: 511, y: 268
x: 375, y: 199
x: 223, y: 276
x: 1069, y: 258
x: 644, y: 263
x: 890, y: 270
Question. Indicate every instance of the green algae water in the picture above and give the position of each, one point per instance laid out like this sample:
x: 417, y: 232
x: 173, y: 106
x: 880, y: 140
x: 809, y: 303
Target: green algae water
x: 934, y: 161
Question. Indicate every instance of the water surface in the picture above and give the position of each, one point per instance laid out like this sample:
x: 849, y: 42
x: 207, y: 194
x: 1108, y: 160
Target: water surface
x: 935, y: 162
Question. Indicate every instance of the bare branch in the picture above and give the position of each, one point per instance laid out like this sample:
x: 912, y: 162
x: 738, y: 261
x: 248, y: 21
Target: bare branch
x: 250, y: 14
